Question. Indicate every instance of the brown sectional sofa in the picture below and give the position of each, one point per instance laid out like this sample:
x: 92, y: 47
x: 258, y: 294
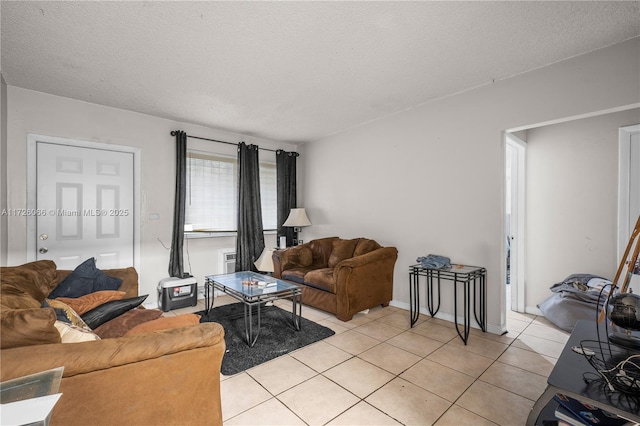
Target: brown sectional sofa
x: 338, y: 275
x: 164, y: 377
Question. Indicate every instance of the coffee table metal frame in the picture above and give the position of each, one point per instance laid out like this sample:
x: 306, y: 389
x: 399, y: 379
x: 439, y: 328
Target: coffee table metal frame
x: 253, y: 295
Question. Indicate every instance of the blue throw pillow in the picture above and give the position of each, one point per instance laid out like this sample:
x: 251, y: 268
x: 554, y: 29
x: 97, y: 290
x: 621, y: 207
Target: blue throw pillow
x: 108, y: 311
x: 85, y: 279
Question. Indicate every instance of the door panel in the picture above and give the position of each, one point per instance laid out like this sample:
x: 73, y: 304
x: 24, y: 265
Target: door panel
x: 88, y: 197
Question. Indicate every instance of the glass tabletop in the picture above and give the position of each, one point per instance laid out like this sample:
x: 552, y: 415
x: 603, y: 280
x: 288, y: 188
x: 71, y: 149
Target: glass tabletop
x: 455, y: 268
x: 252, y: 284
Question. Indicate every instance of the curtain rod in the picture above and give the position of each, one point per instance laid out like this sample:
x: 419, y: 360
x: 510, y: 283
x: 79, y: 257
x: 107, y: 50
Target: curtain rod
x: 173, y: 133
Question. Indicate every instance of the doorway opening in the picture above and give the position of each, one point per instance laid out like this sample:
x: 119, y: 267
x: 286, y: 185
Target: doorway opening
x: 628, y: 190
x: 515, y: 149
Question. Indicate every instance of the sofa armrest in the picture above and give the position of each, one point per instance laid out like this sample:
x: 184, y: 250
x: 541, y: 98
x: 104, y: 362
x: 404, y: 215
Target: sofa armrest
x: 288, y: 258
x: 364, y: 281
x: 384, y: 254
x: 84, y: 357
x: 161, y: 378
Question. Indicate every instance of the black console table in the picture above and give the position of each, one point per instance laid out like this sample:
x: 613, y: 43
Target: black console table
x: 473, y: 281
x: 567, y: 377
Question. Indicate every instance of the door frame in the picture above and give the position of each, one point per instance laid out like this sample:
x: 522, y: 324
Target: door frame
x: 32, y: 141
x: 518, y: 220
x: 624, y: 169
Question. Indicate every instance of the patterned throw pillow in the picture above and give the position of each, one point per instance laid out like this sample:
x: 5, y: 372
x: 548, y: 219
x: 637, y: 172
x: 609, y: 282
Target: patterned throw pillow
x: 69, y: 333
x: 65, y: 313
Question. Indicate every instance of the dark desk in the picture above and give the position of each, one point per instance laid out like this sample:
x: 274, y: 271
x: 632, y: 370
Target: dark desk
x: 472, y: 279
x: 567, y: 378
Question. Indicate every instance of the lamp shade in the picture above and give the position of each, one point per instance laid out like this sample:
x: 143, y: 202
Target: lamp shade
x: 265, y: 261
x: 297, y: 217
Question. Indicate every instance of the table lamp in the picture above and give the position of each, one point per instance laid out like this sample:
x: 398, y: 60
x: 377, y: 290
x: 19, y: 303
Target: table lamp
x: 297, y: 219
x: 265, y: 261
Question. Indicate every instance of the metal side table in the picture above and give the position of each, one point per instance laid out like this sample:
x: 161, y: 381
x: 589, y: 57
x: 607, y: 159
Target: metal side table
x: 473, y: 281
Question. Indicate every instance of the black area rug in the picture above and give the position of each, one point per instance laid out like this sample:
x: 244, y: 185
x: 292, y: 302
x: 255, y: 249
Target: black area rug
x: 277, y: 336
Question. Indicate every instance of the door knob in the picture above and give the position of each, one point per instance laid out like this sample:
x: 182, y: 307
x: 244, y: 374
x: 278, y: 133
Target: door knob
x: 43, y: 250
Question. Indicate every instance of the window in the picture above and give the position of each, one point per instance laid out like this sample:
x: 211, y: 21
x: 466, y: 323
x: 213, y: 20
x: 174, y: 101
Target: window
x: 212, y: 193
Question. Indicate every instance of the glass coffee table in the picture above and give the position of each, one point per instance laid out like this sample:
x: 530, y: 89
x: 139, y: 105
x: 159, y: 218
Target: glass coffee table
x: 253, y: 289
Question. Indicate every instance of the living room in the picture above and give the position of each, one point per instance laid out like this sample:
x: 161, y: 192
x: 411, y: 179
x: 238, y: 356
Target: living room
x: 426, y: 178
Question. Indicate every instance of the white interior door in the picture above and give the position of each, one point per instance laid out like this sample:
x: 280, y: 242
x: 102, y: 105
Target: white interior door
x: 85, y: 205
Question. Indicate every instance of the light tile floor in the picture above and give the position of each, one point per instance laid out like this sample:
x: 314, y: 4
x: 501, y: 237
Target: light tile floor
x: 377, y: 370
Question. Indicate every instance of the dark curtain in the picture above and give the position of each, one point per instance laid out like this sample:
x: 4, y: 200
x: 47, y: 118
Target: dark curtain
x: 176, y: 267
x: 286, y: 189
x: 250, y: 241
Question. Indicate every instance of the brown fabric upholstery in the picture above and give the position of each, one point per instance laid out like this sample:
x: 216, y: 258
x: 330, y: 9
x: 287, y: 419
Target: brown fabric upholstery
x: 302, y: 257
x: 119, y: 326
x: 164, y: 323
x: 321, y: 278
x: 365, y: 246
x: 157, y: 378
x: 360, y: 281
x: 341, y: 250
x: 321, y: 250
x: 296, y: 274
x: 33, y: 280
x: 89, y: 301
x: 27, y: 327
x: 162, y: 378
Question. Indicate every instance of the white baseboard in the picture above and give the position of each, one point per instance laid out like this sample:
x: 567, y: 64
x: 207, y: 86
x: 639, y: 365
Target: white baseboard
x: 449, y: 317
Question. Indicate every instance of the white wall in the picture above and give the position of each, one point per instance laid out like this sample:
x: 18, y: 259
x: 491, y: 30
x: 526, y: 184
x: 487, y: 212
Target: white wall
x: 431, y: 179
x: 35, y: 112
x: 572, y: 200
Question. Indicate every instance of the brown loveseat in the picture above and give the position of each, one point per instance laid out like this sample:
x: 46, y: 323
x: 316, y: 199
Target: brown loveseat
x: 339, y: 276
x: 163, y: 377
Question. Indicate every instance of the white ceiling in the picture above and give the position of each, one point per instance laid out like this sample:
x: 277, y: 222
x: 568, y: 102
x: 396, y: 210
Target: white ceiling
x: 291, y: 71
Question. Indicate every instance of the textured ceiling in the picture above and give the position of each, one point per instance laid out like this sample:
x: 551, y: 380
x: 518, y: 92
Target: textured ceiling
x: 291, y: 71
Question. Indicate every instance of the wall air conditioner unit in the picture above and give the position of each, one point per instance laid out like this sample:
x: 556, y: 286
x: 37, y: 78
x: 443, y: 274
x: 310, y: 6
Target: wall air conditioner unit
x: 226, y: 260
x: 226, y: 264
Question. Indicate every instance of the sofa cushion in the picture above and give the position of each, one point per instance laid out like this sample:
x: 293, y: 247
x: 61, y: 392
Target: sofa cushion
x: 119, y: 326
x: 164, y: 323
x: 322, y: 279
x: 365, y: 246
x: 25, y: 327
x: 25, y: 286
x: 85, y: 279
x: 297, y: 274
x: 69, y: 333
x: 107, y: 311
x: 89, y: 301
x: 341, y: 250
x: 302, y: 256
x: 16, y: 299
x: 321, y: 249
